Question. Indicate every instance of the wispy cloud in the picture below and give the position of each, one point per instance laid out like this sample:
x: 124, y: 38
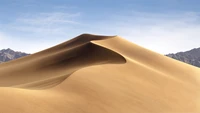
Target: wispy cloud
x: 163, y: 33
x: 45, y: 22
x: 41, y: 29
x: 48, y: 18
x: 64, y: 7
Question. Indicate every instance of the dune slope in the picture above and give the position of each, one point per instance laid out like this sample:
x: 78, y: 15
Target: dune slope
x: 98, y: 74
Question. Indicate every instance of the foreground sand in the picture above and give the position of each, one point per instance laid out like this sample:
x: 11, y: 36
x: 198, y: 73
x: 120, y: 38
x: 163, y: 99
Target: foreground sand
x: 98, y: 74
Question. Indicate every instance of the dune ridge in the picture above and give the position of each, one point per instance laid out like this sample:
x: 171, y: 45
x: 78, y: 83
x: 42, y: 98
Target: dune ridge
x: 63, y: 61
x: 98, y: 74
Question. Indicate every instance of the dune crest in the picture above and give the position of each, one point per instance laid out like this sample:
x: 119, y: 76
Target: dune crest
x: 98, y: 74
x: 75, y: 54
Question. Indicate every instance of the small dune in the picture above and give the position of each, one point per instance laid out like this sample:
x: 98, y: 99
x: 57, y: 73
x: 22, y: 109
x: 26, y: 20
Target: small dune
x: 98, y: 74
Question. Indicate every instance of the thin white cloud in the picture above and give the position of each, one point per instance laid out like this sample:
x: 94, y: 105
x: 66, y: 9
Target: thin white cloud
x: 45, y: 23
x: 163, y: 33
x: 34, y: 32
x: 48, y: 18
x: 64, y: 7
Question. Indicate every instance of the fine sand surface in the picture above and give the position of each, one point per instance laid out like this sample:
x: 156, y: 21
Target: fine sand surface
x: 98, y: 74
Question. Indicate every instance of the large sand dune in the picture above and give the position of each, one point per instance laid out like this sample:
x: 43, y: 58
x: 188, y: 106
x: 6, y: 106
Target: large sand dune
x: 98, y: 74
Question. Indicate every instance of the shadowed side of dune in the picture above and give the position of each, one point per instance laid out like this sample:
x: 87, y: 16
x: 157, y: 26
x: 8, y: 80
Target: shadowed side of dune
x: 50, y: 70
x: 77, y: 41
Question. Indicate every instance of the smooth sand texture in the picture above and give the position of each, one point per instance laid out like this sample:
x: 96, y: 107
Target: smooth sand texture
x: 98, y: 74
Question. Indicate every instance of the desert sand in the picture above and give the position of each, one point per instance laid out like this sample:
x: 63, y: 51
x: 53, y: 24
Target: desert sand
x: 98, y: 74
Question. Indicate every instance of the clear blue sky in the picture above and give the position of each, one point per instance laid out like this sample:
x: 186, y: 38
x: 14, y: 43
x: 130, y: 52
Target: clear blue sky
x: 164, y: 26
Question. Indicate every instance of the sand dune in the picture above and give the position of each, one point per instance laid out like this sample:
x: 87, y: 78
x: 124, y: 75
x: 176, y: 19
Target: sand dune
x: 98, y: 74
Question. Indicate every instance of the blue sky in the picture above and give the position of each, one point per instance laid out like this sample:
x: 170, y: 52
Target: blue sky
x: 164, y: 26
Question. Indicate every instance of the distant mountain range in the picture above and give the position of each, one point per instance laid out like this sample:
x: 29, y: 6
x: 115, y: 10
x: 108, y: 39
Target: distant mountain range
x: 191, y: 57
x: 9, y: 54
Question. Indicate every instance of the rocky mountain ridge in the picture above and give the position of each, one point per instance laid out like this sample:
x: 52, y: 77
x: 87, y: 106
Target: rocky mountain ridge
x: 9, y: 54
x: 191, y: 57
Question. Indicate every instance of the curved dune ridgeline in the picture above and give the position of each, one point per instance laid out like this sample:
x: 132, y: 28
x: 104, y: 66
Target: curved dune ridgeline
x: 98, y: 74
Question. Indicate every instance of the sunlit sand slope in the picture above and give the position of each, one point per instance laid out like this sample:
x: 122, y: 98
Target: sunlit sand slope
x: 98, y: 74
